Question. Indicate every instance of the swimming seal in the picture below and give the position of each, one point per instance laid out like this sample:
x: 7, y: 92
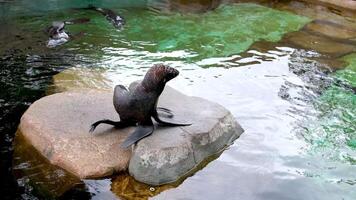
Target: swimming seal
x: 138, y: 104
x: 57, y: 34
x: 116, y: 20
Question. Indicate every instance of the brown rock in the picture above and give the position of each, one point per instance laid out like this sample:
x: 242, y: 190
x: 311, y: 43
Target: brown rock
x: 30, y: 167
x: 184, y: 5
x: 331, y: 29
x: 347, y: 4
x: 79, y: 79
x: 126, y: 187
x: 57, y: 126
x: 305, y: 40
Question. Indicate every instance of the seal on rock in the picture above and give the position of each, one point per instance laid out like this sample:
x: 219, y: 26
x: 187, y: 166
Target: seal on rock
x: 138, y: 104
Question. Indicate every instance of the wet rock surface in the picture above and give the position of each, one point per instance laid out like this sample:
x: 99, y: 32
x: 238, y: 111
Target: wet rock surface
x: 35, y: 173
x: 184, y: 5
x: 72, y: 79
x: 348, y: 4
x: 159, y: 159
x: 331, y: 29
x: 57, y: 126
x: 321, y: 44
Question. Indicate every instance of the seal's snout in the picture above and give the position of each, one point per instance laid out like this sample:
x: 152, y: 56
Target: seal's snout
x: 173, y: 71
x: 170, y: 73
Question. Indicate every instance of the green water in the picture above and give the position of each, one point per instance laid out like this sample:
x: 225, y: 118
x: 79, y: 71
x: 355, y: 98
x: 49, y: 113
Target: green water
x: 348, y: 75
x: 269, y: 161
x: 333, y: 134
x: 227, y: 31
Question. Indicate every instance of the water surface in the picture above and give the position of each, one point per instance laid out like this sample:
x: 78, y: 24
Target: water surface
x: 296, y: 104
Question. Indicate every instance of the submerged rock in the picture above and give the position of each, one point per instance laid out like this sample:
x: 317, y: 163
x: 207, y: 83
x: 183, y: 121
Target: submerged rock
x: 80, y: 78
x: 331, y: 29
x: 126, y: 187
x: 305, y: 40
x: 183, y: 5
x: 57, y: 126
x: 348, y: 4
x: 34, y: 172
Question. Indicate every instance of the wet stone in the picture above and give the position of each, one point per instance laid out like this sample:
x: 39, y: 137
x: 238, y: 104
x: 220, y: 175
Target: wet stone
x: 72, y: 79
x: 331, y: 29
x: 305, y: 40
x: 57, y: 126
x: 348, y: 4
x: 184, y: 5
x: 159, y: 159
x: 34, y: 172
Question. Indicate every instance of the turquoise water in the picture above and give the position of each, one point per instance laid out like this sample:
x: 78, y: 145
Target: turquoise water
x: 333, y: 133
x: 227, y: 31
x: 299, y: 140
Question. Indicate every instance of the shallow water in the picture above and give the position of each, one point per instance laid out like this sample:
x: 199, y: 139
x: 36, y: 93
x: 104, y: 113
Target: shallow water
x: 297, y: 111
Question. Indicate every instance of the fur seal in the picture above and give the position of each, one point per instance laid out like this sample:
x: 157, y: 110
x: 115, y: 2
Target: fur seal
x: 116, y: 20
x: 138, y: 104
x: 57, y: 34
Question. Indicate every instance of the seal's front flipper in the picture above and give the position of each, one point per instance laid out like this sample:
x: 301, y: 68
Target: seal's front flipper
x: 117, y: 124
x: 164, y: 112
x: 140, y: 132
x: 168, y: 122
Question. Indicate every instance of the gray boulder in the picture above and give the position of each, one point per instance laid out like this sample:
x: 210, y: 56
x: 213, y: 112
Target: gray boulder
x: 172, y: 153
x: 57, y: 126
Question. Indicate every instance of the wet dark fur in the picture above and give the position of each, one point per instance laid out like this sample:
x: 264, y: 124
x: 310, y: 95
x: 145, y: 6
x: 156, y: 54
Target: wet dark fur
x: 138, y: 104
x: 116, y: 20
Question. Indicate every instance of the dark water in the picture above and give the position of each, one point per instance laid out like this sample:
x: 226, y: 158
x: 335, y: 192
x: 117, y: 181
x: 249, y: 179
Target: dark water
x: 290, y: 86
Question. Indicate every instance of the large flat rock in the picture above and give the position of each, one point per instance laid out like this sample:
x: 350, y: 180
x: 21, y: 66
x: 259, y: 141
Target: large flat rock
x: 171, y: 153
x: 57, y: 126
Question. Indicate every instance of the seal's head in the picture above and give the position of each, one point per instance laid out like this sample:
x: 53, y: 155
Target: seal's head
x: 158, y: 75
x: 56, y: 31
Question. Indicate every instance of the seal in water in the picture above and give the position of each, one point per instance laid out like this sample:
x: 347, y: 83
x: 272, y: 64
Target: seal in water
x: 57, y: 34
x: 116, y: 20
x: 138, y: 104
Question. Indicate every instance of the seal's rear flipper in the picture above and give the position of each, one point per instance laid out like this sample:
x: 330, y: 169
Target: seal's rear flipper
x: 164, y: 112
x: 117, y: 124
x: 139, y: 133
x: 168, y: 122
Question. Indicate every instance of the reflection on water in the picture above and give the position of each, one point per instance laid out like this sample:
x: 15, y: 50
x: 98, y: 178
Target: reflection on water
x: 297, y: 112
x: 34, y: 172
